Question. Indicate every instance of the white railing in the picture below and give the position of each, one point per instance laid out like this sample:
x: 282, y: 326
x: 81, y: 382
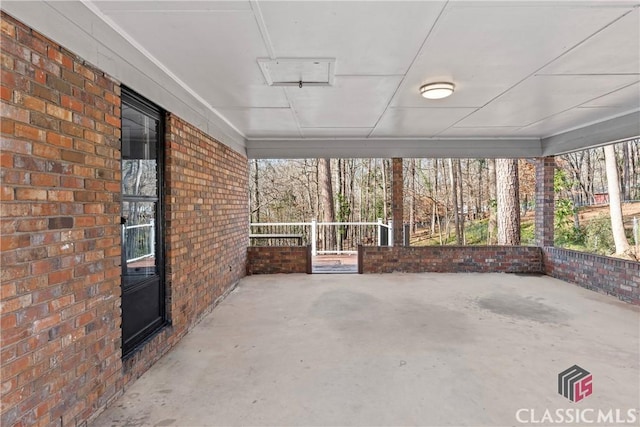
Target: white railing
x: 322, y: 235
x: 139, y: 242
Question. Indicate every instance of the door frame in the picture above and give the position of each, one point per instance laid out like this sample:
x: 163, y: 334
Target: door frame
x: 143, y: 105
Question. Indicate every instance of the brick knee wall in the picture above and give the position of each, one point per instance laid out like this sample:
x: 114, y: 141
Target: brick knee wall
x: 60, y: 204
x: 611, y: 276
x: 450, y: 259
x: 278, y: 259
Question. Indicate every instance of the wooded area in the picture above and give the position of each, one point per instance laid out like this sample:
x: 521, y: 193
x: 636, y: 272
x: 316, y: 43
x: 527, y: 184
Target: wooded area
x: 449, y: 201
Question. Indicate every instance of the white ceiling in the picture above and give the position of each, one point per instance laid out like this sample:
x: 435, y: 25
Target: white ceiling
x: 523, y: 70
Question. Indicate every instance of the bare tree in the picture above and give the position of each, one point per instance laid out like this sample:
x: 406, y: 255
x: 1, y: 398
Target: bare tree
x: 461, y: 238
x: 326, y: 190
x: 453, y: 176
x: 626, y: 170
x: 493, y: 220
x: 386, y: 186
x: 478, y: 201
x: 412, y: 195
x: 256, y: 190
x: 309, y: 186
x: 508, y: 202
x: 615, y: 207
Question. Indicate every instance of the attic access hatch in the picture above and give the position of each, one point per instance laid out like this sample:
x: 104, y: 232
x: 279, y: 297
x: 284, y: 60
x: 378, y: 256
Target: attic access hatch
x: 298, y: 71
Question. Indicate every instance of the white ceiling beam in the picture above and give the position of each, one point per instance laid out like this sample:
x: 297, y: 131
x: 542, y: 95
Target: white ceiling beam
x: 386, y: 148
x: 613, y: 130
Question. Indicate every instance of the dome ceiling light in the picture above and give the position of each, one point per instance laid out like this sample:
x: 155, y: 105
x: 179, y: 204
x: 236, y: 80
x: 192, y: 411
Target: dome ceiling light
x: 437, y: 90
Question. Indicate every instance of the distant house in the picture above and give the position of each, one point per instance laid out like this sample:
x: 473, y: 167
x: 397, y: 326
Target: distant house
x: 601, y: 198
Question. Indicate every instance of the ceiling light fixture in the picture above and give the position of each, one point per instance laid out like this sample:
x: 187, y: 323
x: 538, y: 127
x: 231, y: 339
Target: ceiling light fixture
x: 436, y: 90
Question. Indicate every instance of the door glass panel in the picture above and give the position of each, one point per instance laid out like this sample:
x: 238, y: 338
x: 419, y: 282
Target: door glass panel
x: 139, y: 240
x: 139, y: 157
x: 143, y: 294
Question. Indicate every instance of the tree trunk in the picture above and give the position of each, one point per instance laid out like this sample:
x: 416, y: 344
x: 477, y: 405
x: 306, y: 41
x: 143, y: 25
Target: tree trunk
x: 462, y: 239
x: 433, y: 218
x: 602, y: 173
x: 326, y: 190
x: 367, y: 199
x: 590, y: 189
x: 634, y: 170
x: 508, y: 202
x: 385, y: 190
x: 440, y: 227
x: 341, y: 195
x: 412, y: 196
x: 615, y: 207
x: 376, y: 184
x: 434, y: 196
x: 493, y: 220
x: 318, y: 185
x: 445, y: 200
x: 479, y: 195
x: 626, y: 170
x: 308, y: 192
x: 256, y: 190
x: 453, y: 175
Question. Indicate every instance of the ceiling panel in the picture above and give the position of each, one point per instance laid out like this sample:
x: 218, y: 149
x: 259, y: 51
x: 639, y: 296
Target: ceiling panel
x: 616, y: 49
x: 214, y: 53
x: 418, y: 122
x: 352, y: 102
x: 542, y: 96
x: 263, y: 122
x: 365, y: 37
x: 179, y: 5
x: 570, y: 120
x: 335, y: 132
x: 486, y: 48
x: 478, y: 132
x: 628, y: 97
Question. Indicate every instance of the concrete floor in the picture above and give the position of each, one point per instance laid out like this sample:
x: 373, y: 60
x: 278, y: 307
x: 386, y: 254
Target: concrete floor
x: 397, y: 349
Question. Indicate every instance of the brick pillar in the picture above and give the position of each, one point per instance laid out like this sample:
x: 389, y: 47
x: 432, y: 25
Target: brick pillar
x: 545, y: 168
x: 397, y: 200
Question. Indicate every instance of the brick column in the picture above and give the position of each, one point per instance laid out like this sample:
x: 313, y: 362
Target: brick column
x: 545, y: 168
x: 397, y: 200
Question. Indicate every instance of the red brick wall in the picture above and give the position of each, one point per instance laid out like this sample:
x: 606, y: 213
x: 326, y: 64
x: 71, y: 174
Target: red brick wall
x: 60, y: 285
x: 611, y: 276
x: 60, y: 288
x: 278, y: 259
x: 450, y: 259
x: 207, y: 219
